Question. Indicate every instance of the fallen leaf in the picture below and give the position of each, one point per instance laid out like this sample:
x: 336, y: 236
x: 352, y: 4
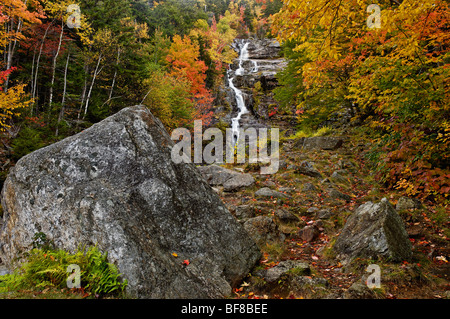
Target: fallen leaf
x: 175, y: 255
x: 186, y: 262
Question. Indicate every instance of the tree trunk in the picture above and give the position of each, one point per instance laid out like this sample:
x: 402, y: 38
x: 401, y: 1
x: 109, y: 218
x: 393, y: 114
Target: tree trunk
x: 61, y: 113
x: 54, y: 67
x: 115, y: 75
x: 96, y: 72
x: 33, y: 95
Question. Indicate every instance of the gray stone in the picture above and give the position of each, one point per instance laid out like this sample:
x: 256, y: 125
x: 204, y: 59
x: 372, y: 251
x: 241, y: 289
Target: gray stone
x: 244, y: 211
x: 319, y: 143
x: 216, y: 175
x: 298, y: 268
x: 269, y: 183
x: 267, y: 192
x: 306, y: 168
x: 282, y: 164
x: 263, y: 49
x: 308, y: 233
x: 285, y: 189
x: 237, y: 182
x: 312, y: 210
x: 4, y: 270
x: 308, y: 187
x: 307, y: 282
x: 338, y: 178
x: 334, y: 193
x: 373, y: 231
x: 324, y: 214
x: 286, y: 217
x: 263, y: 230
x: 230, y: 180
x: 115, y: 185
x: 358, y: 290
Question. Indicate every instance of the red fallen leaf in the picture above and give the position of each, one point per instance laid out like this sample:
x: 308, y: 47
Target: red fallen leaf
x: 186, y: 262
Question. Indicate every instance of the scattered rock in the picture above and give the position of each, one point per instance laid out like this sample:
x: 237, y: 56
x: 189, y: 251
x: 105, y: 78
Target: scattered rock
x: 358, y: 290
x: 282, y: 164
x: 244, y: 212
x: 308, y: 233
x: 267, y: 192
x: 4, y: 270
x: 415, y: 231
x: 285, y: 189
x: 338, y: 178
x: 295, y: 267
x: 301, y: 283
x: 319, y: 142
x: 237, y: 182
x: 372, y: 231
x: 408, y: 203
x: 343, y: 164
x: 334, y: 193
x: 263, y: 230
x: 216, y: 175
x: 324, y: 214
x: 230, y: 180
x: 269, y: 183
x: 115, y: 185
x: 312, y: 210
x: 308, y: 187
x: 306, y: 168
x: 285, y: 216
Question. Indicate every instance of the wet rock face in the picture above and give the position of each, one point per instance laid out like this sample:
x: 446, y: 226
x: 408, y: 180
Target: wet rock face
x: 261, y: 64
x: 372, y: 231
x: 115, y: 185
x: 264, y: 49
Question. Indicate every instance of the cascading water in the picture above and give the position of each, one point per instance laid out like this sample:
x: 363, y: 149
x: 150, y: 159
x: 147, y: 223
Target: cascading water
x: 242, y: 109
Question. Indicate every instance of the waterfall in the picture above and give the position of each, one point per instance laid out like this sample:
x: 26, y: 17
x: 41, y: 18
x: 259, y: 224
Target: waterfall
x: 242, y: 109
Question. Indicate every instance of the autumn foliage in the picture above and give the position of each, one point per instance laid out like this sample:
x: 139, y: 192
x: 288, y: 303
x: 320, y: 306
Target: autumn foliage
x: 394, y: 78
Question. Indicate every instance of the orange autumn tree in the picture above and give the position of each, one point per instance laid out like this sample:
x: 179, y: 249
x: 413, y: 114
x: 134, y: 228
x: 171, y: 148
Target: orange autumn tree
x: 15, y: 17
x: 216, y: 41
x: 185, y: 64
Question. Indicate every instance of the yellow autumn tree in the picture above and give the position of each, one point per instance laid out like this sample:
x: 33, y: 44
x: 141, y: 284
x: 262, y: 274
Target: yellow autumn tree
x: 389, y: 64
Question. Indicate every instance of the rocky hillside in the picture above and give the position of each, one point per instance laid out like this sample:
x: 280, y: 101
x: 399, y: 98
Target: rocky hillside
x: 306, y: 218
x: 299, y: 217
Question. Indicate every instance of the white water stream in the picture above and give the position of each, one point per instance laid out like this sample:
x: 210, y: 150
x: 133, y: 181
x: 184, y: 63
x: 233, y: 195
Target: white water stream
x: 242, y: 109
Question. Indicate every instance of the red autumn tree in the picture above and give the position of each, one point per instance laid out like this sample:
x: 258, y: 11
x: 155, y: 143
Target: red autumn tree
x: 183, y: 57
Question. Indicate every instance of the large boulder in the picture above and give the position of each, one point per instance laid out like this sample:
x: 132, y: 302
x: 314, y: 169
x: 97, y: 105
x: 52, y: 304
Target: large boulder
x: 373, y: 231
x: 115, y: 185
